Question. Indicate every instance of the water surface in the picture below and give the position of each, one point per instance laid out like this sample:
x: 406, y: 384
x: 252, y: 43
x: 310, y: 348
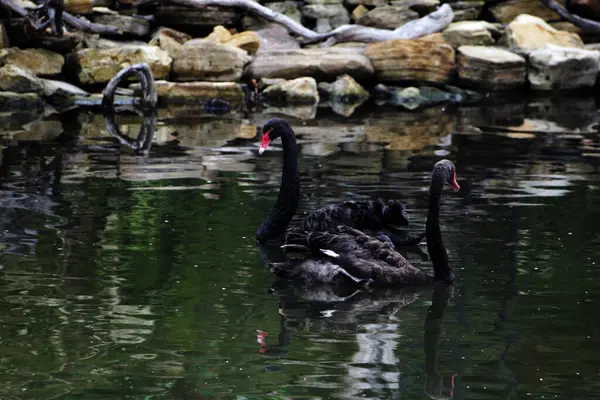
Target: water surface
x: 137, y: 276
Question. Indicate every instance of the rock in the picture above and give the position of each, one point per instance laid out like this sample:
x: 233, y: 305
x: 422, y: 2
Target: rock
x: 560, y: 68
x: 79, y: 6
x: 388, y: 17
x: 19, y: 80
x: 4, y: 42
x: 201, y: 59
x: 184, y: 17
x: 467, y: 10
x: 527, y: 33
x: 318, y: 63
x: 505, y: 12
x: 359, y: 12
x: 474, y: 33
x: 345, y: 90
x: 20, y: 101
x: 169, y: 40
x: 101, y: 65
x: 296, y: 91
x: 412, y: 97
x: 491, y: 68
x: 276, y: 38
x: 219, y: 35
x: 421, y: 6
x: 196, y: 91
x: 247, y: 40
x: 59, y: 88
x: 370, y: 3
x: 323, y: 25
x: 344, y: 95
x: 39, y: 61
x: 412, y: 60
x: 435, y: 38
x: 335, y: 13
x: 126, y: 24
x: 96, y: 42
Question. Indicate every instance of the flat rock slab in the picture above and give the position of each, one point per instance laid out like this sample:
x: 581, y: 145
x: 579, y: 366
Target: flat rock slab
x: 490, y: 68
x: 527, y: 33
x: 201, y: 59
x: 101, y: 65
x: 317, y: 63
x: 470, y: 33
x: 412, y: 60
x: 560, y: 68
x: 197, y: 91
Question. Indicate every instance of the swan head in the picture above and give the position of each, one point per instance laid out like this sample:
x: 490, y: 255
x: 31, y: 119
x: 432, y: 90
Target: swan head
x: 272, y: 130
x: 446, y: 171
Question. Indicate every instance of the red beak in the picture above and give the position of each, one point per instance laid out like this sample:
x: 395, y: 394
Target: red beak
x: 454, y: 184
x: 266, y: 140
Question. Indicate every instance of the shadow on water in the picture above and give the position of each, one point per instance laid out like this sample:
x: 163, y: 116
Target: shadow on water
x: 128, y: 266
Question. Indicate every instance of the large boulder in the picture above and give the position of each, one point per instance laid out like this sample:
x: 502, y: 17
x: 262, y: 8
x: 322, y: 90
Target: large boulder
x: 317, y: 63
x: 101, y: 65
x: 201, y: 59
x: 295, y: 91
x: 560, y: 68
x: 412, y: 60
x: 39, y: 61
x: 19, y: 80
x: 491, y: 68
x: 527, y: 33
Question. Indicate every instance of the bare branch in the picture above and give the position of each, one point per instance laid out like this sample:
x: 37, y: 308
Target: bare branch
x: 583, y: 23
x: 432, y: 23
x: 144, y: 74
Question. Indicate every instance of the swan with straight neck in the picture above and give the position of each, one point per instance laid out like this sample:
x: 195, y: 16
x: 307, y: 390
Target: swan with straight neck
x: 289, y: 192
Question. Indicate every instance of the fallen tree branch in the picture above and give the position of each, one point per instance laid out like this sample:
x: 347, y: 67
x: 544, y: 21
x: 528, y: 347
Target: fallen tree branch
x: 431, y: 23
x: 583, y: 23
x: 144, y: 74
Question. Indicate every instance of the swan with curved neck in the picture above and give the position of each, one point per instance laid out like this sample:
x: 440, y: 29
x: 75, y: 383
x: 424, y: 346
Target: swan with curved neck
x: 360, y: 256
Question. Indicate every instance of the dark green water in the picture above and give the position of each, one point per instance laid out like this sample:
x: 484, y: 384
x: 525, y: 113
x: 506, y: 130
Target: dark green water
x: 128, y: 277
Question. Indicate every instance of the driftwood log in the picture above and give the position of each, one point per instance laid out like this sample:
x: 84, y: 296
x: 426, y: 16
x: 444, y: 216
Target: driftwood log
x: 431, y: 23
x: 583, y: 23
x: 144, y: 74
x: 51, y: 13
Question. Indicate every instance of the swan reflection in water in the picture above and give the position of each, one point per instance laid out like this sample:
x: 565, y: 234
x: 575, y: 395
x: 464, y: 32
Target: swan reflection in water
x: 373, y: 368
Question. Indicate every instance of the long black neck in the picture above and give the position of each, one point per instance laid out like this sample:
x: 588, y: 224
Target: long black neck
x: 289, y: 193
x: 435, y: 245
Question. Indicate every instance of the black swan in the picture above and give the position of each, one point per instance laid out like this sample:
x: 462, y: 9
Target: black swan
x: 344, y: 252
x: 375, y: 217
